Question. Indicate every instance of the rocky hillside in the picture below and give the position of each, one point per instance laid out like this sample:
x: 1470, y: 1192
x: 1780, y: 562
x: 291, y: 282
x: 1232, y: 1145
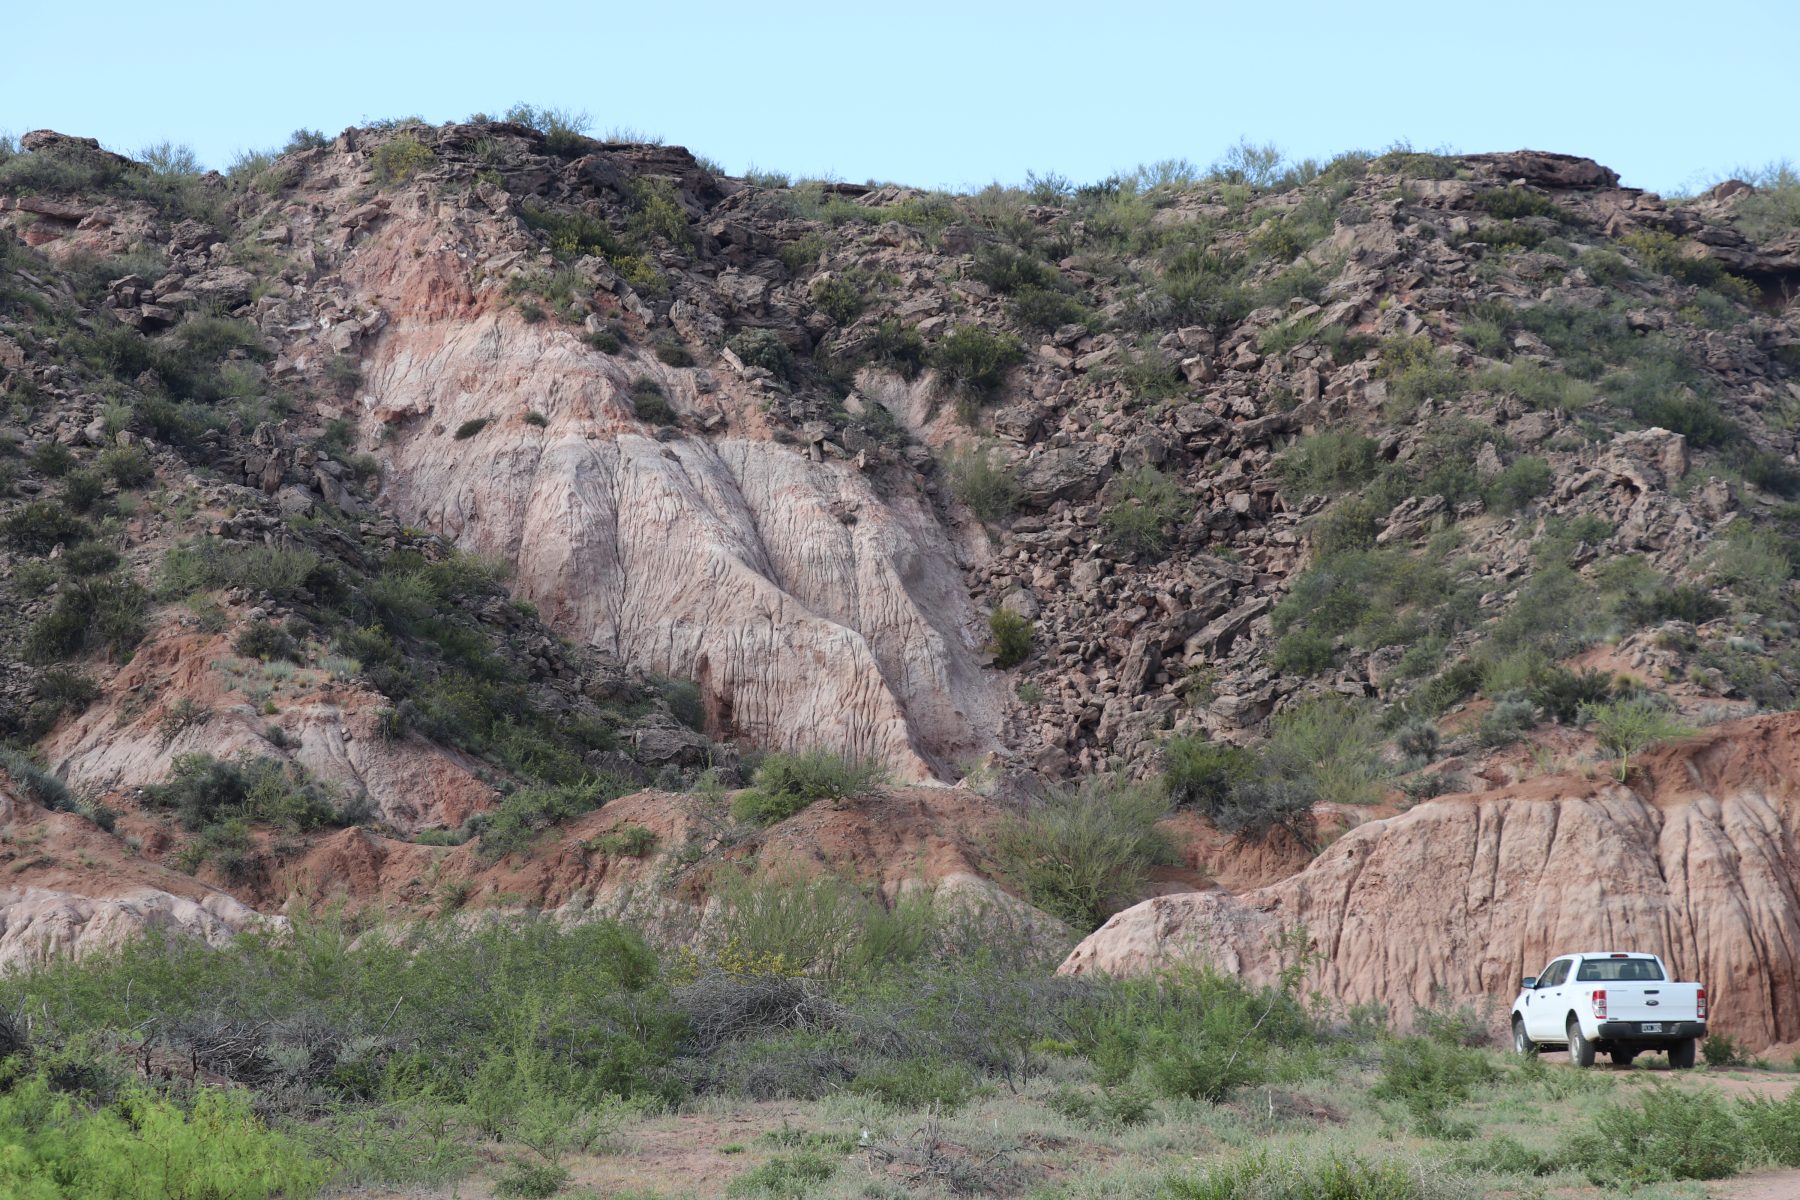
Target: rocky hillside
x: 436, y: 485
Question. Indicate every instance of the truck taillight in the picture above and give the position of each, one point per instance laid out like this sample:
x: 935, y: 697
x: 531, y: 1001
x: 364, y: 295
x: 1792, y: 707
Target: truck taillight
x: 1700, y: 1004
x: 1600, y: 1004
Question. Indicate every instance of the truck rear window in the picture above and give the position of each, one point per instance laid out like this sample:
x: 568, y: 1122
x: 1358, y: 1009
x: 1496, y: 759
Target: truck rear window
x: 1619, y: 970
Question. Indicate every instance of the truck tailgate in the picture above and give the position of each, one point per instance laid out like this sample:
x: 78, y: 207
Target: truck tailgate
x: 1649, y: 1001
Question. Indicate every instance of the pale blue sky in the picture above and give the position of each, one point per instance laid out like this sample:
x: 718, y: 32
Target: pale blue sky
x: 937, y: 93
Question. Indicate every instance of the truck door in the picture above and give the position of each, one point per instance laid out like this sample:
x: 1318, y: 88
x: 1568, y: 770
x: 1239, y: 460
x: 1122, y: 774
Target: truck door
x: 1544, y: 1005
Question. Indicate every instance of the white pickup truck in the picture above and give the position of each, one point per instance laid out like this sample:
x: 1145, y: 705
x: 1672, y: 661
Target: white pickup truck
x: 1616, y: 1003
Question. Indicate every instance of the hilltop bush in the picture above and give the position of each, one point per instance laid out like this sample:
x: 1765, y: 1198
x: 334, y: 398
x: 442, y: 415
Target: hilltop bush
x: 399, y: 159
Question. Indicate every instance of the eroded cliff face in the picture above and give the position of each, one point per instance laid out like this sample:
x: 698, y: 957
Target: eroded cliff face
x: 1698, y: 860
x: 814, y: 604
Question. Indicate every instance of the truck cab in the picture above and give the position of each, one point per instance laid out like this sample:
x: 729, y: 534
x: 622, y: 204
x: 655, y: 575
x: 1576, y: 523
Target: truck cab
x: 1618, y: 1003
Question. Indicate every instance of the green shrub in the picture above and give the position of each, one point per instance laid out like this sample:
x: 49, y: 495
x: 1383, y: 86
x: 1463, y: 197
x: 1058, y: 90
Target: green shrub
x: 101, y: 611
x: 919, y: 1083
x: 42, y: 786
x: 471, y: 427
x: 1507, y: 721
x: 975, y: 361
x: 1330, y: 745
x: 43, y: 525
x: 399, y: 159
x: 82, y: 490
x: 565, y: 131
x: 1539, y: 387
x: 625, y: 841
x: 1670, y: 1133
x: 897, y: 347
x: 1204, y: 774
x: 1305, y: 651
x: 673, y: 354
x: 1329, y: 462
x: 1429, y: 1076
x: 88, y: 558
x: 1511, y: 203
x: 1085, y: 851
x: 1418, y: 740
x: 266, y: 641
x: 1007, y: 270
x: 1012, y: 635
x: 526, y: 1180
x: 983, y: 480
x: 1625, y: 727
x: 1564, y: 694
x: 492, y: 1019
x: 1144, y: 511
x: 842, y: 297
x: 1046, y: 310
x: 206, y: 563
x: 1261, y: 1176
x: 650, y: 402
x: 1722, y: 1050
x: 1772, y: 1127
x: 517, y: 821
x: 1417, y: 371
x: 205, y: 791
x: 763, y: 348
x: 784, y: 1177
x: 53, y: 459
x: 789, y: 781
x: 1523, y: 481
x: 128, y: 466
x: 143, y: 1145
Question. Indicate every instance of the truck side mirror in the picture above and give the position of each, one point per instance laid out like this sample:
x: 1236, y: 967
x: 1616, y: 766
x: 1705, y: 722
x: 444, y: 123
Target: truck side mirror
x: 1529, y: 982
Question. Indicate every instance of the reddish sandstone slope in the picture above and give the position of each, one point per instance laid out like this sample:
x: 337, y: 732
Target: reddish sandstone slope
x: 1695, y: 859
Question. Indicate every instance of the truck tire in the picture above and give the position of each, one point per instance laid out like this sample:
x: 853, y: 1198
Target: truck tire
x: 1623, y: 1058
x: 1681, y: 1054
x: 1581, y: 1051
x: 1523, y: 1046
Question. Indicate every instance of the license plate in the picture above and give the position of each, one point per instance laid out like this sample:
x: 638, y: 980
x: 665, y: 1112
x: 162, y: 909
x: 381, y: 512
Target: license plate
x: 1651, y: 1027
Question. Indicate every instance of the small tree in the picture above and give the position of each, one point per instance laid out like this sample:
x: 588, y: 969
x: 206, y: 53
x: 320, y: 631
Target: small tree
x: 1625, y: 727
x: 1012, y: 637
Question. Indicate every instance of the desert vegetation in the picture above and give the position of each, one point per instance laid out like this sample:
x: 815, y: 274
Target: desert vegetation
x: 919, y: 1049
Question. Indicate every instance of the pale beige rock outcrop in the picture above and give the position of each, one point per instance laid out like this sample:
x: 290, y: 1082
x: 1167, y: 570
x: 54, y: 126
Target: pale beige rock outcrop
x: 39, y: 923
x: 1460, y: 897
x: 329, y: 729
x: 812, y: 608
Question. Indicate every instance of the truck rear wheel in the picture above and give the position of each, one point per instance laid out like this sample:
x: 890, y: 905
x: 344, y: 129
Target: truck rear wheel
x: 1581, y: 1051
x: 1522, y: 1044
x: 1681, y: 1054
